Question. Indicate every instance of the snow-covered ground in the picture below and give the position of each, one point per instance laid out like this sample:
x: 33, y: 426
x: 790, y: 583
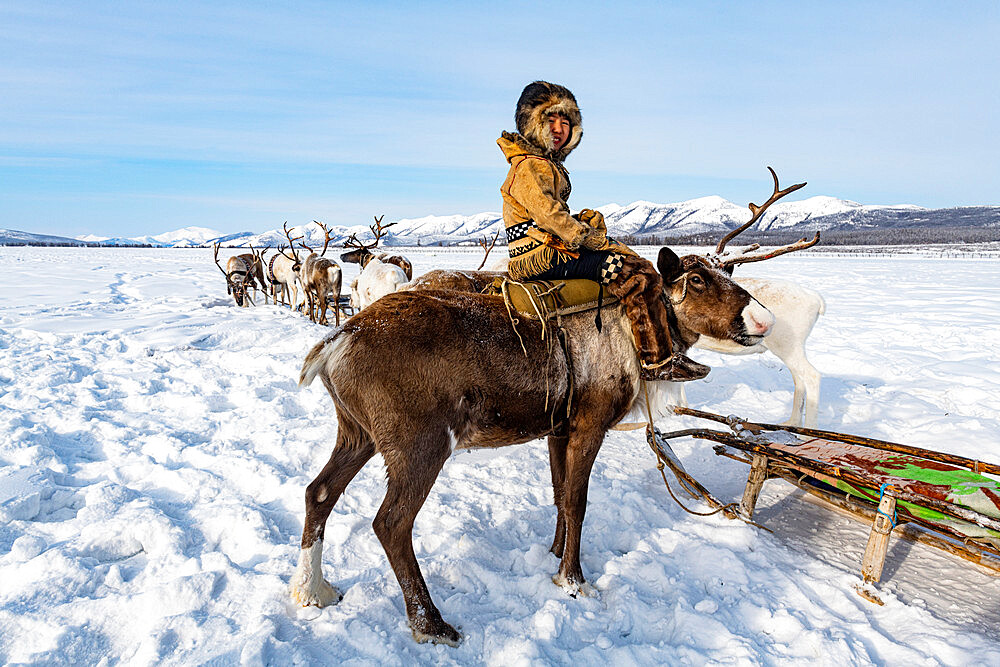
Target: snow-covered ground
x: 154, y: 451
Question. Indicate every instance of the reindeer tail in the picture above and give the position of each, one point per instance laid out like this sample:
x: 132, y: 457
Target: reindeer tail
x: 324, y: 356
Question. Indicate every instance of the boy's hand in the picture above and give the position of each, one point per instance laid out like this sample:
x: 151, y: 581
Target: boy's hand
x: 594, y: 239
x: 591, y: 218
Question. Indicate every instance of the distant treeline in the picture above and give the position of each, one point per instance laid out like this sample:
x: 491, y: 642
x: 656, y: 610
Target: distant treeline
x: 829, y: 237
x: 891, y: 236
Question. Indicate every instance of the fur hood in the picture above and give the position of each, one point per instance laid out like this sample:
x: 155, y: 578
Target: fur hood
x: 537, y: 101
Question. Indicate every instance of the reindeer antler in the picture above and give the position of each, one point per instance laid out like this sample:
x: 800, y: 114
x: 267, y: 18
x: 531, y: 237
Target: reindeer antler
x: 259, y: 255
x: 482, y: 244
x: 215, y: 256
x: 378, y: 231
x: 291, y: 242
x: 801, y: 244
x: 758, y: 211
x: 326, y: 233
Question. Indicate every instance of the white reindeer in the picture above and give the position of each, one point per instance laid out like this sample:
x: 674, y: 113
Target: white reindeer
x: 381, y: 273
x: 283, y: 272
x: 795, y: 310
x: 377, y: 279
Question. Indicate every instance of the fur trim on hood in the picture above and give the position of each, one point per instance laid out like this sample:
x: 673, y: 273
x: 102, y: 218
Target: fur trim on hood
x: 537, y: 101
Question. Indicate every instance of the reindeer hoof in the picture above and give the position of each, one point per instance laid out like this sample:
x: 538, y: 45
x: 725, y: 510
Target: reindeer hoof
x: 315, y: 593
x: 575, y: 588
x: 435, y: 632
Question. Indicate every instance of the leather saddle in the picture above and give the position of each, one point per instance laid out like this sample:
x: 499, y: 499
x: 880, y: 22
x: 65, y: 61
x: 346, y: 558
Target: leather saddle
x: 549, y: 299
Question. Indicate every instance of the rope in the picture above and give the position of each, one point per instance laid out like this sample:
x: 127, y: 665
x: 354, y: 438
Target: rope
x: 660, y: 464
x: 893, y: 520
x: 505, y: 291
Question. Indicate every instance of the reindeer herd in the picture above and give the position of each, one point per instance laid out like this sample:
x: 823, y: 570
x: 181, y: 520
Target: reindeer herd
x: 292, y: 270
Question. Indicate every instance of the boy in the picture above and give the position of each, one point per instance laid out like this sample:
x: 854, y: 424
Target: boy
x: 545, y: 242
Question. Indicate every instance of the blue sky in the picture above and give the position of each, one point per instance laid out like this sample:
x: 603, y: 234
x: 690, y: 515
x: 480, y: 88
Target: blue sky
x: 138, y: 118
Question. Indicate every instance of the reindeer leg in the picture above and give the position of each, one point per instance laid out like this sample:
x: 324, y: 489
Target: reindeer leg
x: 557, y: 463
x: 806, y: 379
x: 811, y: 379
x: 412, y: 470
x: 308, y: 587
x: 580, y: 455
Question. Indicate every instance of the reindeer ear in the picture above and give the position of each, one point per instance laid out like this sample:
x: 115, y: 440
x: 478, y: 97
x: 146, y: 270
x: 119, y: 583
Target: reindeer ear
x: 668, y: 264
x: 728, y: 268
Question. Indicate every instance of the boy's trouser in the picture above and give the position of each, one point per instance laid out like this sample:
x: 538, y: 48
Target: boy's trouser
x: 638, y: 285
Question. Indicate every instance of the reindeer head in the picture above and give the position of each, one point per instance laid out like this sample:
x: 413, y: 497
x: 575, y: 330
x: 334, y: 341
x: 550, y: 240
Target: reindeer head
x: 294, y: 256
x: 239, y: 284
x: 362, y: 252
x: 703, y: 294
x: 707, y: 301
x: 238, y: 273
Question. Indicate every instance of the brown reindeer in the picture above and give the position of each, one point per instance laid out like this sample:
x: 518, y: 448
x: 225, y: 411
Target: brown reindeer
x: 243, y: 272
x: 451, y: 374
x: 458, y: 279
x: 455, y: 279
x: 321, y: 279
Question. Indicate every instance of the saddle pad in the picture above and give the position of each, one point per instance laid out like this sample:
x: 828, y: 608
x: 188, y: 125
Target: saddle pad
x: 941, y: 481
x: 544, y: 299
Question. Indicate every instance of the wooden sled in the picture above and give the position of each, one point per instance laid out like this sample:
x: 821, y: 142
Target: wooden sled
x: 938, y: 499
x: 341, y: 303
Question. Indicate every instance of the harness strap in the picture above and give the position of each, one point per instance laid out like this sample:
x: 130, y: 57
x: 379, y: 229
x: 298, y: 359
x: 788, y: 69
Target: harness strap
x: 684, y: 291
x: 270, y: 269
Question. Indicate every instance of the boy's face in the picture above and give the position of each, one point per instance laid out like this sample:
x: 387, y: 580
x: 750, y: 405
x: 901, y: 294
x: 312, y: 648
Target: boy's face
x: 560, y: 129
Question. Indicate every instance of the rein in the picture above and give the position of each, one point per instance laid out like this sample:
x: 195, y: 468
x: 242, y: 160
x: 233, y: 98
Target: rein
x: 690, y: 484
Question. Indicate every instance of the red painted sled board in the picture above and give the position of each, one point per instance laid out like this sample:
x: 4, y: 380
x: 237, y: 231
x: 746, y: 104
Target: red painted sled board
x: 919, y: 476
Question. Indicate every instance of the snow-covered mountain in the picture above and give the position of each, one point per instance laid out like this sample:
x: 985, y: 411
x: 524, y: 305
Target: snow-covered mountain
x: 186, y: 237
x: 705, y: 215
x: 428, y: 230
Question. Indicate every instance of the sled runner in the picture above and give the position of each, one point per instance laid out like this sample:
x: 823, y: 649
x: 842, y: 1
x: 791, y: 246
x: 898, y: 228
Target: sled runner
x: 939, y: 499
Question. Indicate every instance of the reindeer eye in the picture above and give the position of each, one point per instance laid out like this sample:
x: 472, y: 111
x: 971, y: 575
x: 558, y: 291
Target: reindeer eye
x: 696, y: 280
